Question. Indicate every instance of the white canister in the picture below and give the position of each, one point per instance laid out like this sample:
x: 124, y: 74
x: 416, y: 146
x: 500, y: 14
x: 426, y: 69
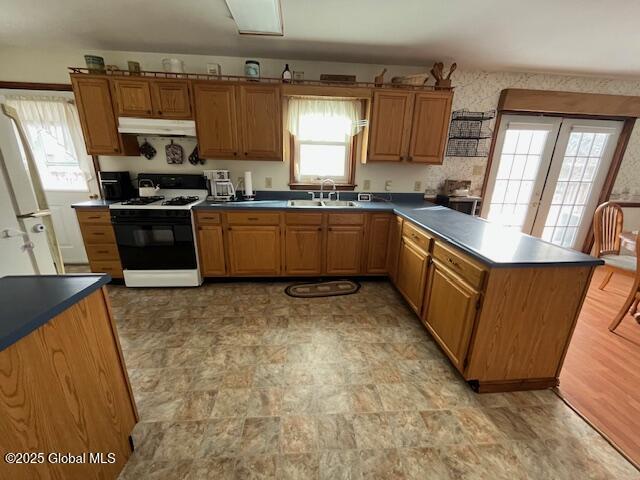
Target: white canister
x: 173, y: 65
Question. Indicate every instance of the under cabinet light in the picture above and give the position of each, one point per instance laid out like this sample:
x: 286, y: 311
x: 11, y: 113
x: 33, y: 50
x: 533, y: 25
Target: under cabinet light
x: 257, y: 17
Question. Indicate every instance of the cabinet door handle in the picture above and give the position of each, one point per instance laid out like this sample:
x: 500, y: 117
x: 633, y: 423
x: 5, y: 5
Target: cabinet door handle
x: 252, y: 218
x: 102, y: 251
x: 229, y: 228
x: 149, y: 112
x: 454, y: 263
x: 98, y: 233
x: 93, y: 218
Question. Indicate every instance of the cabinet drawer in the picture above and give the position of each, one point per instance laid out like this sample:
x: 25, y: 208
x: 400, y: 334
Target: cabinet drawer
x: 253, y: 218
x: 303, y: 218
x: 208, y: 218
x: 460, y: 264
x: 111, y: 267
x: 346, y: 219
x: 102, y: 252
x: 98, y: 234
x: 417, y: 236
x: 94, y: 216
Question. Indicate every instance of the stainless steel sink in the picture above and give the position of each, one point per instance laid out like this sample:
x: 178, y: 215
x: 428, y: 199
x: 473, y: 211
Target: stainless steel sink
x: 323, y: 203
x: 339, y: 203
x: 304, y: 203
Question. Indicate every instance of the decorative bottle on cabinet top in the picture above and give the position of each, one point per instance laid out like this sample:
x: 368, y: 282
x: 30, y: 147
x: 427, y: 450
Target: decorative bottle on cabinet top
x: 286, y: 74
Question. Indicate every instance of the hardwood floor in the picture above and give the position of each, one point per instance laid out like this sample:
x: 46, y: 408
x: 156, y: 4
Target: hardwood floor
x: 601, y: 373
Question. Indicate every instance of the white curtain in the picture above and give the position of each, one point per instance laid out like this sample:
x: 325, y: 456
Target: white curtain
x: 58, y: 118
x: 324, y: 119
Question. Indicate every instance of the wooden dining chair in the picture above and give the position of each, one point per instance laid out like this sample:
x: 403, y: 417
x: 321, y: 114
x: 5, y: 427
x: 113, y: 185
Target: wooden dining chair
x: 631, y: 303
x: 607, y: 226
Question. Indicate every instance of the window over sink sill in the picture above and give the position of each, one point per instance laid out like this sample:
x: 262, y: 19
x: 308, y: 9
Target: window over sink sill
x: 323, y: 135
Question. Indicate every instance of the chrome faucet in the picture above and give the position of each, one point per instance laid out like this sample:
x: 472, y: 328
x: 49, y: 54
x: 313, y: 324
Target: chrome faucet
x: 322, y: 189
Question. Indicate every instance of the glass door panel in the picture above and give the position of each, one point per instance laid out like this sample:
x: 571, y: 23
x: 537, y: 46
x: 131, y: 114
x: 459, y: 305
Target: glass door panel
x: 520, y: 162
x: 580, y: 164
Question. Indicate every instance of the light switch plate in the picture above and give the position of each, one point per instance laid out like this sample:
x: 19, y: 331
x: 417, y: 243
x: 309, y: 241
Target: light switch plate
x: 268, y: 182
x: 477, y: 170
x: 366, y: 185
x: 417, y: 186
x: 387, y: 186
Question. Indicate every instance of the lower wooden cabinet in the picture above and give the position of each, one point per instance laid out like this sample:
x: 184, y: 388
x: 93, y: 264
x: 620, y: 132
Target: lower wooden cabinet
x: 393, y: 248
x: 99, y: 241
x: 378, y: 243
x: 211, y: 250
x: 303, y: 250
x: 344, y: 249
x: 412, y: 273
x: 449, y: 312
x: 254, y: 250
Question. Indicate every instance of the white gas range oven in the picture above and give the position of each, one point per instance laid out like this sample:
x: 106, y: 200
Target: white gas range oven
x: 155, y: 235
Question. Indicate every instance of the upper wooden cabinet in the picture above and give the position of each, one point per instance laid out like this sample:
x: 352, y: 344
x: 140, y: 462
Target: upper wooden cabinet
x: 215, y: 115
x: 171, y: 99
x: 98, y: 121
x: 157, y: 98
x: 133, y: 97
x: 260, y: 121
x: 390, y: 126
x: 409, y: 126
x: 238, y: 121
x: 431, y: 112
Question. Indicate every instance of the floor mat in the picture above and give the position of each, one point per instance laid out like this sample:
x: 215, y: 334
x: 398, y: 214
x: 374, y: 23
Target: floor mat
x: 322, y: 289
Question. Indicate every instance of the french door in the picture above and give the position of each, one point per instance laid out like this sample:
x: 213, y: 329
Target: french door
x: 547, y: 174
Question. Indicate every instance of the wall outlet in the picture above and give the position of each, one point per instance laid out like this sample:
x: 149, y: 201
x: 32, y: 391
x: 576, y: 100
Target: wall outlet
x: 417, y: 186
x: 387, y: 186
x: 366, y: 185
x: 239, y: 180
x: 478, y: 170
x: 268, y: 182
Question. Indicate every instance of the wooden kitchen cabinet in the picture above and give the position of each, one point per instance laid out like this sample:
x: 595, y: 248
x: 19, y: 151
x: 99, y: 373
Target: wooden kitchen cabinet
x: 211, y: 250
x: 430, y: 124
x: 97, y: 118
x: 390, y: 126
x: 260, y: 121
x: 216, y: 121
x: 133, y: 97
x: 393, y: 248
x: 344, y: 249
x: 412, y: 273
x: 409, y: 126
x: 378, y: 242
x: 303, y: 249
x: 254, y: 249
x: 99, y: 241
x: 171, y: 99
x: 450, y: 311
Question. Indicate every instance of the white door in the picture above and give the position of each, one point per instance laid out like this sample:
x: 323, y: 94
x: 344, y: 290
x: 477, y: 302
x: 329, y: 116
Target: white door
x: 547, y: 174
x: 53, y: 131
x: 524, y: 148
x: 581, y: 160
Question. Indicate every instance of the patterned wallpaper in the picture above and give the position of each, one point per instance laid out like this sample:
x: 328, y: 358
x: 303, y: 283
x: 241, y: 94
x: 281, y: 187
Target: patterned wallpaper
x: 479, y: 91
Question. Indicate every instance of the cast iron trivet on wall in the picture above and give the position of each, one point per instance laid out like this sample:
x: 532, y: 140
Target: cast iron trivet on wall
x: 328, y: 288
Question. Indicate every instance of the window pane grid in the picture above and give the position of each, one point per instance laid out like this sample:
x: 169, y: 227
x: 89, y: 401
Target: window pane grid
x: 517, y: 171
x: 575, y: 181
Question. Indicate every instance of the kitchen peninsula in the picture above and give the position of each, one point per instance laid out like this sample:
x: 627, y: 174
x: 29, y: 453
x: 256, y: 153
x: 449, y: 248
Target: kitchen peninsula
x: 64, y: 388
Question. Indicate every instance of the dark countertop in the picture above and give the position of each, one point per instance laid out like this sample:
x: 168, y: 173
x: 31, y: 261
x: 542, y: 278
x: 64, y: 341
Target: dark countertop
x: 488, y: 242
x: 100, y: 203
x: 28, y: 302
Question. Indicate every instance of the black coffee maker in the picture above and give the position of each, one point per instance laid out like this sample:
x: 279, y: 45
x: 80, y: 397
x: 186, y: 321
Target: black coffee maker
x: 116, y: 185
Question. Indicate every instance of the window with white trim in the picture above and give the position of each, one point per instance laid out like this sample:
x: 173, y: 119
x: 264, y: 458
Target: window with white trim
x: 323, y: 132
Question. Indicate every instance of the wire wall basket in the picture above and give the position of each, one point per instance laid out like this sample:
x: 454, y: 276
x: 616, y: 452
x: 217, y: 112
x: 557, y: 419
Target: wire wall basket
x: 468, y: 133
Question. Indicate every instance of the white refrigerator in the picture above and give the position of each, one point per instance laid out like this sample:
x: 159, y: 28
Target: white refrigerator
x: 28, y: 244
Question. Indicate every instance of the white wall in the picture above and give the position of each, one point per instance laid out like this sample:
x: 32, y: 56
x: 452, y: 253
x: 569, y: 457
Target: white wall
x: 475, y: 90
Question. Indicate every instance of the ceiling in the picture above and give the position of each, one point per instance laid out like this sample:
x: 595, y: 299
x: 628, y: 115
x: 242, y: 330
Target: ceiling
x: 580, y: 36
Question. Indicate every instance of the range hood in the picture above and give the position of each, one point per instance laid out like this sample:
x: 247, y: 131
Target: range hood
x: 154, y: 126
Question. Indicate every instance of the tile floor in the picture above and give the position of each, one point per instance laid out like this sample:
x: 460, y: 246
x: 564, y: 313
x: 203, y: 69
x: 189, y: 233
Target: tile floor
x: 237, y: 380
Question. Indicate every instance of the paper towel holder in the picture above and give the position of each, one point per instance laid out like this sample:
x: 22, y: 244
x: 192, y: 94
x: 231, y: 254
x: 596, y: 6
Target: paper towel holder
x: 247, y: 191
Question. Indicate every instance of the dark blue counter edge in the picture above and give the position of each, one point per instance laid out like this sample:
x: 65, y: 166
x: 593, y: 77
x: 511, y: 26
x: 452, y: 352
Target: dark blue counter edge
x: 45, y: 316
x: 391, y: 208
